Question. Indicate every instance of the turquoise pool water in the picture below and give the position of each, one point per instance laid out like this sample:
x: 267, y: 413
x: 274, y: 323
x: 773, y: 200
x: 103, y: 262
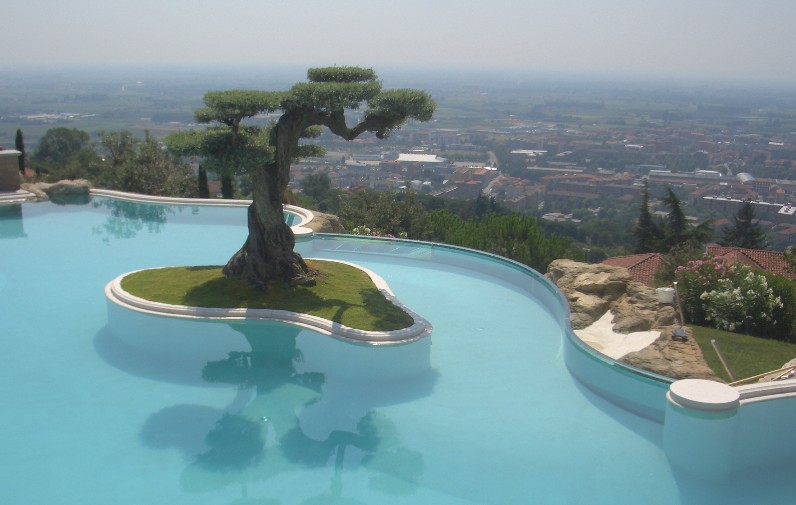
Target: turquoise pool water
x: 107, y: 407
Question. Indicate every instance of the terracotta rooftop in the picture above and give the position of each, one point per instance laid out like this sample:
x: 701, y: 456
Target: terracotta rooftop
x: 771, y: 261
x: 644, y: 266
x: 641, y: 266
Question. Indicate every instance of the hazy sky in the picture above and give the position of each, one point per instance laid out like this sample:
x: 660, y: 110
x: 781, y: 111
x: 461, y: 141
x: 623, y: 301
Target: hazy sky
x: 724, y: 39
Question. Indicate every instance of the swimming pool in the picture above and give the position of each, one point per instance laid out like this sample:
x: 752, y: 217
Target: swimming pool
x: 167, y: 411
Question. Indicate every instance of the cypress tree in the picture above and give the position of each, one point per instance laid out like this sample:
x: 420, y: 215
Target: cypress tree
x: 204, y: 190
x: 645, y: 231
x: 19, y: 143
x: 227, y: 186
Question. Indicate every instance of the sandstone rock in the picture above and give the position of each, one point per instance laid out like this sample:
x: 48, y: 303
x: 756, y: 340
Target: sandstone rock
x: 592, y: 290
x: 672, y: 358
x: 325, y: 223
x: 65, y: 191
x: 605, y: 281
x: 585, y: 308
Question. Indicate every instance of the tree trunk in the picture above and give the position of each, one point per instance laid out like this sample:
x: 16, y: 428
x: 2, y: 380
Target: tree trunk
x: 268, y: 252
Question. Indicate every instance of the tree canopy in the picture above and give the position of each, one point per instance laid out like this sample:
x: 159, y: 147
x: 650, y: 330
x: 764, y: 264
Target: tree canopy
x: 59, y: 146
x: 265, y: 153
x: 745, y: 230
x: 673, y: 232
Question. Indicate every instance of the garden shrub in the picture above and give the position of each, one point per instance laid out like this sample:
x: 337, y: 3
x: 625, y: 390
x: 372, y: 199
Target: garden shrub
x: 784, y: 327
x: 735, y: 298
x: 742, y: 301
x: 693, y: 279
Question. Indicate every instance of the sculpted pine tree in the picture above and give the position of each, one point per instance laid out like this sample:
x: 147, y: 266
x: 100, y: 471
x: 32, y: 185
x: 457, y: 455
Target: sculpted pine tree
x: 267, y: 153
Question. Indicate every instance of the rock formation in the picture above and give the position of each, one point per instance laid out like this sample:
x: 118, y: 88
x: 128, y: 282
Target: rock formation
x: 61, y: 191
x: 325, y: 223
x: 594, y: 289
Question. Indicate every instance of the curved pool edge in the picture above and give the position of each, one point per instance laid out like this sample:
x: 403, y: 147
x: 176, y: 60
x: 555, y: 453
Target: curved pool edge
x: 300, y: 229
x: 633, y: 389
x: 419, y: 329
x: 636, y: 390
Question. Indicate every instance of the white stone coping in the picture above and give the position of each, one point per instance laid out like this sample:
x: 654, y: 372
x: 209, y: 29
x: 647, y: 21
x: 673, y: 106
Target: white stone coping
x: 421, y: 328
x: 300, y: 230
x: 767, y: 390
x: 705, y: 395
x: 16, y: 196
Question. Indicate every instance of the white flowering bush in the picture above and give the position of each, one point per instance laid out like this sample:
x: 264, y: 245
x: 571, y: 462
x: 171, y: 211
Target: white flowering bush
x: 361, y: 230
x: 742, y: 301
x: 695, y: 278
x: 364, y: 230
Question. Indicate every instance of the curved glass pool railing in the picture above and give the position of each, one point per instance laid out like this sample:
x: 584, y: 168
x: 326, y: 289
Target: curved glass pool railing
x: 165, y: 411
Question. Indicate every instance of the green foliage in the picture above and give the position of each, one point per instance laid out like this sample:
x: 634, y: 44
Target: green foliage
x: 680, y: 254
x: 224, y: 151
x: 673, y: 232
x: 511, y: 235
x: 784, y: 317
x: 58, y: 147
x: 232, y: 106
x: 19, y: 145
x: 735, y: 298
x: 203, y: 188
x: 742, y: 301
x: 330, y: 96
x: 227, y: 186
x: 677, y: 226
x: 646, y: 231
x: 697, y: 277
x: 393, y: 107
x: 341, y: 74
x: 141, y: 166
x: 386, y: 213
x: 745, y: 231
x: 318, y: 195
x: 514, y: 236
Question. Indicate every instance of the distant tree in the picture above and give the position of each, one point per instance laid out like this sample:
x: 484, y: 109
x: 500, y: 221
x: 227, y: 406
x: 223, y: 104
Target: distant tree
x: 514, y: 236
x: 678, y: 231
x: 677, y: 256
x: 646, y: 231
x: 58, y: 146
x: 316, y: 186
x: 267, y: 153
x: 676, y: 223
x: 204, y: 189
x: 745, y: 230
x: 227, y: 186
x: 318, y: 194
x: 19, y: 144
x: 142, y: 166
x: 386, y: 213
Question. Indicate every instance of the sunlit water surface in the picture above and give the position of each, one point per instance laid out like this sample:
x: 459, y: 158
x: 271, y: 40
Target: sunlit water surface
x: 150, y: 410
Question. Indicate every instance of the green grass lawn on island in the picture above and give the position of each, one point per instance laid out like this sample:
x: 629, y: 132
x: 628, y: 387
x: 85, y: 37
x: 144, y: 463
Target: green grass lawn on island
x: 343, y: 294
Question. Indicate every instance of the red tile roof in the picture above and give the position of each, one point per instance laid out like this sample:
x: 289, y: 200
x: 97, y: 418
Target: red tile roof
x: 770, y: 261
x: 641, y: 266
